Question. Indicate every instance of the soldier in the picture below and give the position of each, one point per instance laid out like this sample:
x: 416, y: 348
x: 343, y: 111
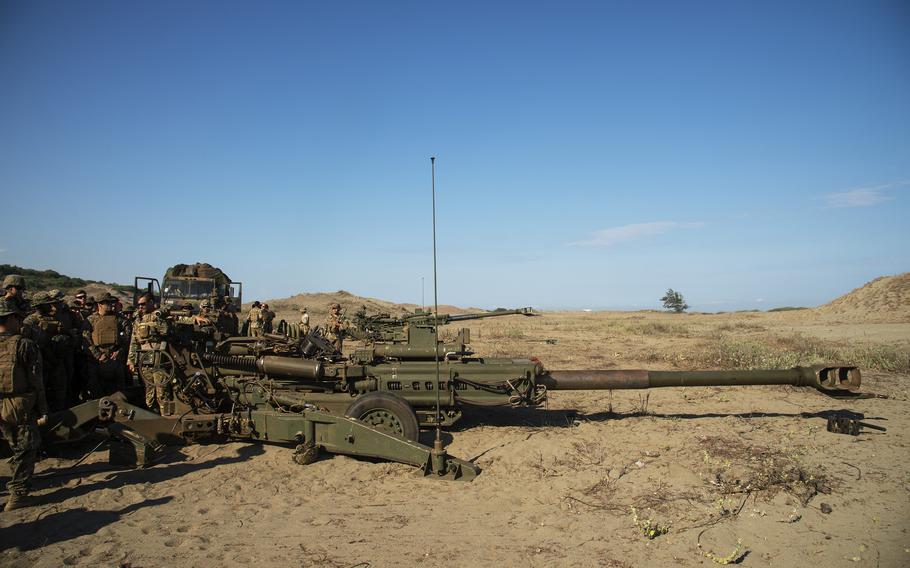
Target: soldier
x: 230, y: 309
x: 148, y: 329
x: 72, y: 326
x: 218, y: 316
x: 54, y: 343
x: 107, y: 341
x: 22, y: 401
x: 304, y: 322
x: 79, y: 298
x: 335, y: 328
x: 206, y: 319
x: 267, y: 317
x: 80, y: 312
x: 14, y: 289
x: 80, y: 305
x: 254, y: 320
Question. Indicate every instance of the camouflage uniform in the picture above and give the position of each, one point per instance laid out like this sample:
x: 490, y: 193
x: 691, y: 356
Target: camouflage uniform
x: 71, y: 326
x: 255, y: 321
x: 14, y: 290
x: 149, y: 330
x: 336, y: 326
x: 55, y: 344
x: 267, y: 317
x: 15, y: 282
x: 78, y: 312
x: 107, y: 342
x: 21, y: 391
x: 230, y: 312
x: 304, y: 322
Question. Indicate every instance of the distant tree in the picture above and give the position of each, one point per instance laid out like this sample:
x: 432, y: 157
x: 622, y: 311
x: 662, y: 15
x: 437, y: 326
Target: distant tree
x: 673, y: 300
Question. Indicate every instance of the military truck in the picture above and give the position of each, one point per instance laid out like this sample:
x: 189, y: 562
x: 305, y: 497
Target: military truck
x: 190, y: 284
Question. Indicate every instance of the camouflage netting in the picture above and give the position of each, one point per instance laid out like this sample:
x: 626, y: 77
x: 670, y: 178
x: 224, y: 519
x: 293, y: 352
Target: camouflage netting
x: 198, y: 270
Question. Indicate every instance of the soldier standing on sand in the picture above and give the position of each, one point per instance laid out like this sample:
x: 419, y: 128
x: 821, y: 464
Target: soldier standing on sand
x: 54, y: 343
x: 304, y: 322
x: 71, y: 325
x: 267, y: 317
x: 79, y: 381
x: 148, y: 329
x: 254, y: 320
x: 107, y: 340
x: 336, y: 325
x: 22, y: 401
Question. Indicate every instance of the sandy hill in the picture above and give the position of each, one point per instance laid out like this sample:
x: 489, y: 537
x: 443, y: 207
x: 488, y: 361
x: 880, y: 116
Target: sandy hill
x: 317, y: 304
x: 885, y: 299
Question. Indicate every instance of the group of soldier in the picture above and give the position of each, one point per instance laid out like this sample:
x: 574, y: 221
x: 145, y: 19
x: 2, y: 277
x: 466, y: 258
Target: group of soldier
x: 54, y: 355
x: 260, y: 320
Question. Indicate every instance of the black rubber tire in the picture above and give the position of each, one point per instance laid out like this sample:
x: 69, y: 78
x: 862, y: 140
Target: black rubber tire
x: 384, y: 402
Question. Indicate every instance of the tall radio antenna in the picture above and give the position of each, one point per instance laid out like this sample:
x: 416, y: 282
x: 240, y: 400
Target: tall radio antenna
x: 437, y: 443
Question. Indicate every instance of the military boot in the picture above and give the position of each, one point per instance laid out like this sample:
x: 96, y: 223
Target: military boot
x: 18, y: 502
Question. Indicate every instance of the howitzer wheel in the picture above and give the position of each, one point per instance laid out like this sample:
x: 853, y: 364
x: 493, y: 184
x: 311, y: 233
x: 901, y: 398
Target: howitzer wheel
x: 387, y: 413
x: 156, y: 368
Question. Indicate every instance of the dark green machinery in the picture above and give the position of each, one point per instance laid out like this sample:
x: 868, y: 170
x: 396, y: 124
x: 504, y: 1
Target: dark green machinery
x: 395, y: 329
x: 214, y: 405
x: 371, y: 403
x: 362, y: 385
x: 386, y: 328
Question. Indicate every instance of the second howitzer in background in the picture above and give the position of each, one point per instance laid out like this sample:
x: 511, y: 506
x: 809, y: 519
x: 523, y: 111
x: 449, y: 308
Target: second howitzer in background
x: 383, y: 328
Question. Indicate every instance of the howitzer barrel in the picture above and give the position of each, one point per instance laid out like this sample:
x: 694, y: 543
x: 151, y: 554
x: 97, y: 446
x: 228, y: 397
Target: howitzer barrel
x: 461, y: 317
x: 822, y: 377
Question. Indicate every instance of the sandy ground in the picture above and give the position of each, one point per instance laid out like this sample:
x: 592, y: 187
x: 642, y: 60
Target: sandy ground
x: 749, y: 474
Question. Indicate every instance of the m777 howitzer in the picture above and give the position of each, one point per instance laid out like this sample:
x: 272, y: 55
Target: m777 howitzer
x: 384, y: 327
x: 393, y: 386
x: 211, y: 405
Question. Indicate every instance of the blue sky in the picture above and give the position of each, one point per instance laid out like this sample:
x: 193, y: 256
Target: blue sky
x: 589, y: 154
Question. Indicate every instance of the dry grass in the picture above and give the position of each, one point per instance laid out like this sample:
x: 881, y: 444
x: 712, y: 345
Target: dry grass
x: 775, y: 351
x: 735, y: 466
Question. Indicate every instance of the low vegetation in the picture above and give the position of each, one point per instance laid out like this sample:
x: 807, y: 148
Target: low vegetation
x: 51, y: 279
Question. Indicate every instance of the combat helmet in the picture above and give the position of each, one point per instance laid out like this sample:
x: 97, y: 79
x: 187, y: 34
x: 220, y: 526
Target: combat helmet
x: 107, y: 298
x: 11, y: 280
x: 9, y: 306
x: 44, y: 299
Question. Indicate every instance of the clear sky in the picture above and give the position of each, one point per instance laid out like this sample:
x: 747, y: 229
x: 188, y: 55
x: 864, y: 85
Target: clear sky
x: 590, y: 154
